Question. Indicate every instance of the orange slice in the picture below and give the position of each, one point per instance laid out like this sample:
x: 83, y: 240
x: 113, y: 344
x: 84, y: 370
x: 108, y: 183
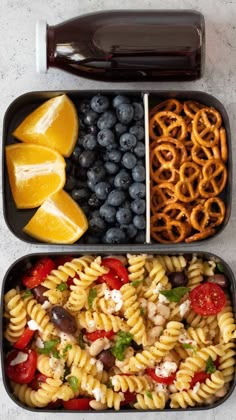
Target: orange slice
x: 59, y: 220
x: 35, y: 172
x: 53, y: 124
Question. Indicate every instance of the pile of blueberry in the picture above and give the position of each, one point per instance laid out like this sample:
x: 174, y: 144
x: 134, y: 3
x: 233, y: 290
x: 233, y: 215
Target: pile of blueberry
x: 106, y: 171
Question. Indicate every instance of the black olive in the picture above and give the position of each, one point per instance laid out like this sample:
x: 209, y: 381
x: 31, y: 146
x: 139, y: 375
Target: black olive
x: 63, y: 320
x: 178, y: 279
x: 38, y: 293
x: 136, y: 347
x: 107, y: 358
x: 219, y: 279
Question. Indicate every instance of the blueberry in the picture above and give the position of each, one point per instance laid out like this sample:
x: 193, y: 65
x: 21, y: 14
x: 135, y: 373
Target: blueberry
x: 129, y: 160
x: 70, y: 183
x: 120, y: 99
x: 138, y: 111
x: 89, y: 142
x: 139, y: 222
x: 90, y: 117
x: 91, y: 184
x: 94, y: 201
x: 116, y: 198
x: 96, y: 173
x: 127, y: 141
x: 76, y: 154
x: 126, y: 204
x: 81, y: 138
x: 102, y: 189
x: 81, y: 173
x: 80, y: 194
x: 138, y: 206
x: 123, y: 216
x: 97, y: 224
x: 137, y: 131
x: 139, y: 150
x: 69, y: 166
x: 99, y: 103
x: 84, y: 106
x: 106, y: 138
x: 114, y: 236
x: 138, y: 173
x: 87, y: 158
x: 108, y: 213
x: 92, y: 129
x: 125, y: 113
x: 111, y: 168
x: 137, y: 190
x: 120, y: 129
x: 130, y: 230
x: 106, y: 120
x: 140, y: 238
x: 122, y: 180
x: 114, y: 155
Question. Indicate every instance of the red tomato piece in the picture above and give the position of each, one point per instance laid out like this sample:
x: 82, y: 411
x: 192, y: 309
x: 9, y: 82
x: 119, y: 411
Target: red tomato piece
x: 207, y: 299
x: 38, y: 380
x: 22, y: 373
x: 77, y: 404
x: 129, y: 397
x: 160, y: 379
x: 199, y: 377
x: 24, y: 339
x: 118, y: 267
x: 38, y: 272
x: 93, y: 336
x: 111, y: 279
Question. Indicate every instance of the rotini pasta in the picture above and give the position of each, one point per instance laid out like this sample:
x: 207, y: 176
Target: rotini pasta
x: 14, y: 306
x: 173, y: 263
x: 151, y: 401
x: 131, y: 383
x: 93, y: 321
x: 195, y: 272
x: 132, y: 313
x: 226, y: 323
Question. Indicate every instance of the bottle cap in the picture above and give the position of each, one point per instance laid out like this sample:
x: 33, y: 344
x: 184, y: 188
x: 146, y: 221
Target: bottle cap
x: 41, y: 46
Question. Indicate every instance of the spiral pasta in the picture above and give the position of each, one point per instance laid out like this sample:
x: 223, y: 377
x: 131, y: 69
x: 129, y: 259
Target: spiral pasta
x: 131, y: 383
x: 190, y: 398
x: 172, y: 263
x: 80, y: 358
x: 226, y: 323
x: 43, y: 365
x: 56, y: 297
x: 90, y: 273
x: 17, y: 315
x: 93, y: 321
x: 65, y: 393
x: 195, y: 272
x: 40, y: 398
x: 77, y: 299
x: 132, y: 313
x: 199, y: 335
x: 136, y: 267
x: 152, y: 401
x: 158, y: 281
x: 227, y: 362
x: 35, y: 311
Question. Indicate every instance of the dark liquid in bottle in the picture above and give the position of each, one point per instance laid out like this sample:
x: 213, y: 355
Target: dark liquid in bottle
x: 130, y: 45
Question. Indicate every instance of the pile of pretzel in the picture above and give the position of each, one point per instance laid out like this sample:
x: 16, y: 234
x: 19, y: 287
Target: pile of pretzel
x: 188, y: 155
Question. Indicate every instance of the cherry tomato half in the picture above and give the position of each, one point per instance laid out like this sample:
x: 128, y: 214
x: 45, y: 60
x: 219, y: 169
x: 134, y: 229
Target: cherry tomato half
x: 77, y: 404
x: 118, y: 267
x: 38, y: 272
x: 129, y: 397
x: 37, y: 381
x: 93, y: 336
x: 199, y: 377
x: 160, y: 379
x: 111, y: 279
x: 24, y: 339
x: 207, y: 299
x: 22, y: 373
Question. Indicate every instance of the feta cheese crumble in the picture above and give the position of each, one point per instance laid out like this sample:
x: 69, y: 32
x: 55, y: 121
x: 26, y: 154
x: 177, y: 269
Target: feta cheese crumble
x: 184, y: 307
x: 165, y: 369
x: 98, y: 394
x: 33, y: 326
x: 116, y: 296
x: 20, y: 358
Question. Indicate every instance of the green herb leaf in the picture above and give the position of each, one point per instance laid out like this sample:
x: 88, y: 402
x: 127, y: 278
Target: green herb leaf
x: 189, y: 346
x: 123, y: 341
x: 220, y: 267
x: 81, y: 341
x: 142, y: 312
x: 49, y: 347
x: 55, y: 354
x: 66, y: 348
x: 109, y: 384
x: 149, y: 394
x: 27, y: 293
x: 62, y: 287
x: 136, y: 283
x: 91, y: 297
x: 210, y: 366
x: 74, y: 382
x: 176, y: 294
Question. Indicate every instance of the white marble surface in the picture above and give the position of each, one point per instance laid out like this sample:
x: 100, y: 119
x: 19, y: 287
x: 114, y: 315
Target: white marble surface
x: 18, y: 75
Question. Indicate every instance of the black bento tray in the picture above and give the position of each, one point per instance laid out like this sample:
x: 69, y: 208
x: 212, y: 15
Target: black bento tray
x: 26, y: 103
x: 11, y: 279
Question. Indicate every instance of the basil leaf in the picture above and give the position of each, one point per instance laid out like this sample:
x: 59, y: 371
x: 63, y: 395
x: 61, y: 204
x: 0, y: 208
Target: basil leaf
x: 136, y: 283
x: 49, y: 347
x: 27, y: 293
x: 62, y: 287
x: 210, y: 366
x: 189, y: 346
x: 65, y: 350
x: 149, y: 394
x: 220, y: 267
x: 142, y: 312
x: 55, y: 354
x: 81, y: 341
x: 123, y: 341
x: 74, y: 382
x: 176, y: 294
x: 91, y: 297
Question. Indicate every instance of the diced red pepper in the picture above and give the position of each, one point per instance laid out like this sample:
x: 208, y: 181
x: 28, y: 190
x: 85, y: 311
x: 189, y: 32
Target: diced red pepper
x: 118, y: 267
x: 93, y: 336
x: 38, y: 272
x: 111, y: 279
x: 24, y: 339
x: 77, y: 404
x: 199, y: 377
x: 160, y: 379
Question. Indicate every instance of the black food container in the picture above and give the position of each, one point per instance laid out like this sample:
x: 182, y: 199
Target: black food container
x: 23, y: 105
x: 11, y: 280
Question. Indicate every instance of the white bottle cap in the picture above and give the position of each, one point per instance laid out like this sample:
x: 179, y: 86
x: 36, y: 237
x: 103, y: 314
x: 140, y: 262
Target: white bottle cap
x: 41, y: 46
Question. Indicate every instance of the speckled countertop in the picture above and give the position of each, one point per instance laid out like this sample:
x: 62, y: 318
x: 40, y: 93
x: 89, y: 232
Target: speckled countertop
x: 18, y: 75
